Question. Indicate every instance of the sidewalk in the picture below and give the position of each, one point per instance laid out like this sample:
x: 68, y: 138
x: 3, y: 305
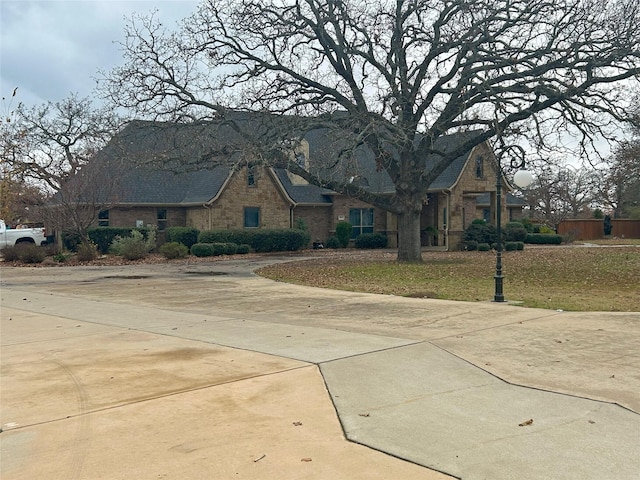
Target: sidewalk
x: 208, y: 371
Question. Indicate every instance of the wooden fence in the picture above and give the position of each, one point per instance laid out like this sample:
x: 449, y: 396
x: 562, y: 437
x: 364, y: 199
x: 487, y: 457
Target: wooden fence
x: 593, y: 229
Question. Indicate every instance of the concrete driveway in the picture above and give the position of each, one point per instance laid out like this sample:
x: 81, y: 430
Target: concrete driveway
x: 209, y: 371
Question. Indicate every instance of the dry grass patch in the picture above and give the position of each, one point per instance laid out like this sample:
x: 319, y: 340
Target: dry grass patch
x: 580, y: 278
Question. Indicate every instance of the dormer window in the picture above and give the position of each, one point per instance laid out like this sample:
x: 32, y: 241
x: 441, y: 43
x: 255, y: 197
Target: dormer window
x: 301, y: 160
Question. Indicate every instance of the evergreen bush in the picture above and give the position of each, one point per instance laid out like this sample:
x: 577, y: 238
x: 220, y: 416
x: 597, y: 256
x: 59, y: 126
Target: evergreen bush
x: 260, y: 240
x: 103, y: 237
x: 174, y: 250
x: 243, y: 249
x: 135, y: 246
x: 544, y: 239
x: 471, y: 245
x: 202, y: 249
x: 515, y: 232
x: 185, y: 235
x: 511, y: 246
x: 332, y: 242
x: 344, y: 231
x: 479, y: 233
x: 371, y: 240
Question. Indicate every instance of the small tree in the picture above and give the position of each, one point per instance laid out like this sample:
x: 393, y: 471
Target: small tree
x: 50, y: 145
x: 343, y: 233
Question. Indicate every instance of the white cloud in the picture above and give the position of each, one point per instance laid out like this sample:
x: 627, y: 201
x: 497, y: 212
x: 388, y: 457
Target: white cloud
x: 49, y: 49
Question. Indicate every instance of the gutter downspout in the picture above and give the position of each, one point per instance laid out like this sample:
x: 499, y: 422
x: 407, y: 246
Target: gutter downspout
x: 208, y: 207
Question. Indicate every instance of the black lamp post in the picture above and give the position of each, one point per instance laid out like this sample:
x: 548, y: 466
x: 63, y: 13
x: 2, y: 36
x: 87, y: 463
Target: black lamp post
x: 522, y: 179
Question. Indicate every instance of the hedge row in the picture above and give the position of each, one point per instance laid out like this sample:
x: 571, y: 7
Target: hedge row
x: 544, y: 238
x: 218, y: 248
x: 102, y: 237
x: 371, y: 240
x: 262, y: 240
x: 485, y: 247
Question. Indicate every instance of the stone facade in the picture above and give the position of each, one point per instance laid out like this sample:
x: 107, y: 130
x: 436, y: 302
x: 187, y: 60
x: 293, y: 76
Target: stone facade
x: 445, y: 215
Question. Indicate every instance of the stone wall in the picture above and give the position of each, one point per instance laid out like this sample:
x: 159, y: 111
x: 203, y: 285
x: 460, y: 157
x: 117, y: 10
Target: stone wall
x: 227, y: 212
x: 316, y: 219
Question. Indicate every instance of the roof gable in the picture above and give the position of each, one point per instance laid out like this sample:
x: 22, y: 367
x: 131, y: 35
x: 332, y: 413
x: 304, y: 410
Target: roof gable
x: 165, y: 163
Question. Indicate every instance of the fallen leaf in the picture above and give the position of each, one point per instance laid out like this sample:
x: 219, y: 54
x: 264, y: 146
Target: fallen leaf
x: 526, y: 423
x: 297, y: 424
x: 305, y: 460
x: 363, y: 414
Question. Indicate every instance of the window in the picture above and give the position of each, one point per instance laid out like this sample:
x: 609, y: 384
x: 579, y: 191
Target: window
x: 251, y: 217
x: 252, y: 176
x: 486, y: 215
x: 103, y: 218
x: 301, y: 160
x: 479, y: 167
x: 161, y: 216
x: 361, y: 219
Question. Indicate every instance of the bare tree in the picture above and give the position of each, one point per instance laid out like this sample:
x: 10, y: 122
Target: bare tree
x: 620, y: 185
x: 405, y: 72
x: 49, y: 146
x: 561, y: 192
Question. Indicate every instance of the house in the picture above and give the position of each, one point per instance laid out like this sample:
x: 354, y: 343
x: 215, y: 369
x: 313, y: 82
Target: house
x: 163, y: 181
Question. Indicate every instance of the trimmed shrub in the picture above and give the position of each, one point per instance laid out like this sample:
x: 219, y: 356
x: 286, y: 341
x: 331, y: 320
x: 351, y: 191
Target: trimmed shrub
x: 511, y: 246
x: 243, y: 249
x: 484, y: 247
x: 343, y: 233
x: 135, y: 246
x: 479, y: 233
x: 174, y: 250
x: 478, y: 221
x: 231, y: 248
x: 520, y: 245
x: 223, y: 236
x: 544, y: 239
x: 515, y: 232
x: 202, y: 249
x: 332, y: 242
x: 371, y: 240
x: 185, y: 235
x: 224, y: 248
x: 471, y: 245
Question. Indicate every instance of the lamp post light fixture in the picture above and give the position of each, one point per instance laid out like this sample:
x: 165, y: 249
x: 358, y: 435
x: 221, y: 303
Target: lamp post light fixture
x: 521, y: 179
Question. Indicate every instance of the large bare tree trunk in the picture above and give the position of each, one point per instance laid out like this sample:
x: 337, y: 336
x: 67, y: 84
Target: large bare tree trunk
x: 409, y: 236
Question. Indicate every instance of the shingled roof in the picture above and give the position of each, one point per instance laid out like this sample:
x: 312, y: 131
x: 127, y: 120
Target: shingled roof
x: 166, y: 164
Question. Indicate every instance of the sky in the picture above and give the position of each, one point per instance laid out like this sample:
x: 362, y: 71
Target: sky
x: 52, y: 48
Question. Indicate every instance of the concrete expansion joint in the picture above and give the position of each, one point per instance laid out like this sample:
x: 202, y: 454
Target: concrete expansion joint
x: 496, y: 327
x: 532, y: 387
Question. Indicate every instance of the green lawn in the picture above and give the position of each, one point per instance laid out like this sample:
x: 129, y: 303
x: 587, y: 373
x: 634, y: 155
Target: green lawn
x: 577, y: 278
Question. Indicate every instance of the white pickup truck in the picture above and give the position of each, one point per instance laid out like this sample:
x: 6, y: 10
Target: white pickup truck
x: 13, y: 236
